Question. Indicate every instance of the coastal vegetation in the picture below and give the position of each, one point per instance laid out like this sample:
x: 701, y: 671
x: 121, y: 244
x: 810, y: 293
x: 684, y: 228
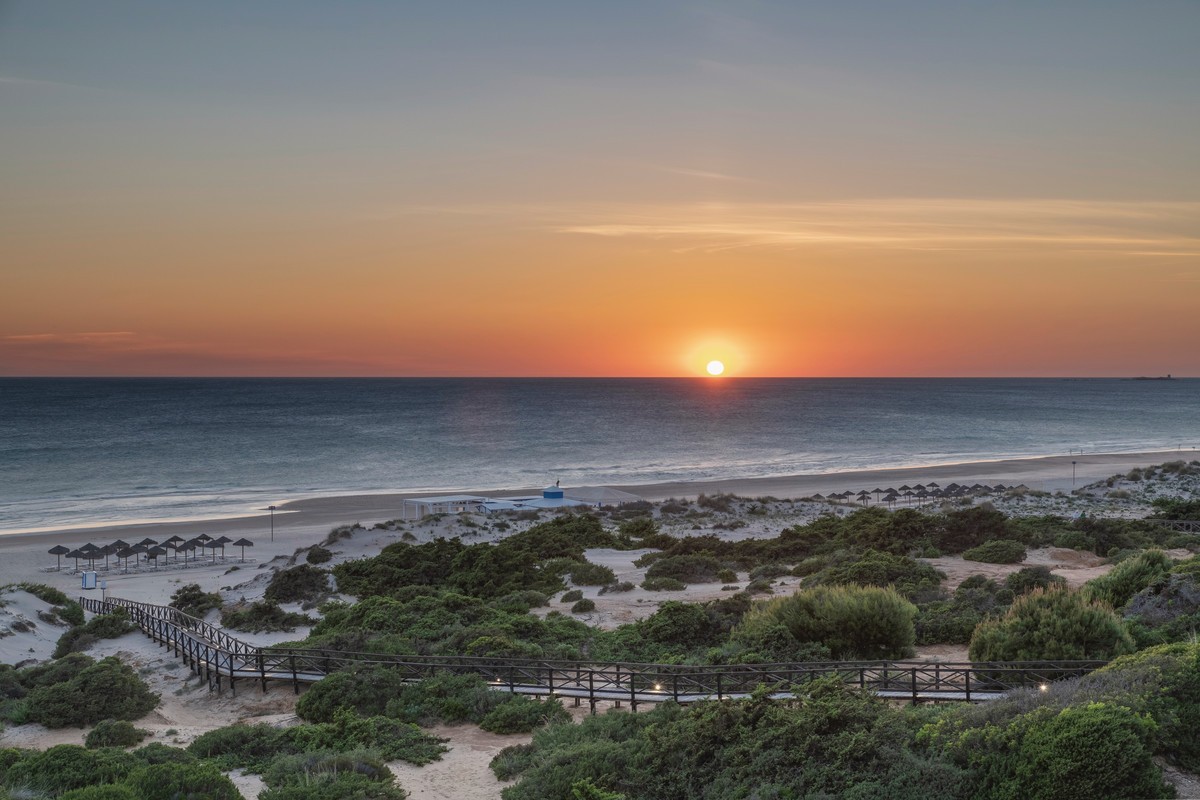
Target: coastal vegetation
x: 859, y: 586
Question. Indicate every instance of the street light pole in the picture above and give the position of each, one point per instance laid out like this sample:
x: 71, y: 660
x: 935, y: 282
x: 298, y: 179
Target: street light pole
x: 1072, y: 474
x: 272, y: 510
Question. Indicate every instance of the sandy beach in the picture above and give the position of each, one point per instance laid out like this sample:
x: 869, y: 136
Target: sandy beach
x: 298, y: 524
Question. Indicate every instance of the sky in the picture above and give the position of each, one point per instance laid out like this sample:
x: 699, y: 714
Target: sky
x: 599, y: 189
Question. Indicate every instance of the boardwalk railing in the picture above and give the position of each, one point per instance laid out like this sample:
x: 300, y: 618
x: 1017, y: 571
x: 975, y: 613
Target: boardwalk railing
x: 1181, y: 525
x: 221, y: 660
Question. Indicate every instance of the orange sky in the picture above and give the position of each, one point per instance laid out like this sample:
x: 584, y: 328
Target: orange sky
x: 737, y: 185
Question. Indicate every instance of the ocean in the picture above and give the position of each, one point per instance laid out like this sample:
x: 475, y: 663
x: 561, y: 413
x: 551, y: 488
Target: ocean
x: 88, y: 451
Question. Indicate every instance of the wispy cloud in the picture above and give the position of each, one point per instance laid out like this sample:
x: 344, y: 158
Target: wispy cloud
x: 1148, y: 229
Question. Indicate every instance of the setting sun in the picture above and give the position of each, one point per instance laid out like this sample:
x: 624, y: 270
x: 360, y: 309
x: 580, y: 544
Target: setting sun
x: 715, y: 368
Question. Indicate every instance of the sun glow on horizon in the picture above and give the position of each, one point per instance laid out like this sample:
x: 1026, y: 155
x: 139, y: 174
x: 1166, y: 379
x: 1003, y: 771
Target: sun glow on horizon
x: 715, y: 368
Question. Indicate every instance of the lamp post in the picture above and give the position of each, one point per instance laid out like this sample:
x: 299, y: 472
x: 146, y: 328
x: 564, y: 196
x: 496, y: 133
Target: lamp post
x: 1072, y: 474
x: 272, y: 510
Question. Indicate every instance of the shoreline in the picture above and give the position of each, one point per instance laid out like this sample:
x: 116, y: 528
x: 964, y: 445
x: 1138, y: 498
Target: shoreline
x: 1048, y: 473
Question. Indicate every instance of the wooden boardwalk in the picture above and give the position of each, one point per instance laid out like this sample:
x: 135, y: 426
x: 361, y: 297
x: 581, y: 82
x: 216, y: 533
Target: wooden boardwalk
x: 225, y: 661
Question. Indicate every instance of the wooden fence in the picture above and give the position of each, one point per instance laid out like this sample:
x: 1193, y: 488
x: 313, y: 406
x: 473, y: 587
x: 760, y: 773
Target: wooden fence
x: 223, y: 660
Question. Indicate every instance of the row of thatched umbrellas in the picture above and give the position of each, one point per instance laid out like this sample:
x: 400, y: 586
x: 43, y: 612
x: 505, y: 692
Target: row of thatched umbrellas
x: 150, y: 549
x: 922, y: 492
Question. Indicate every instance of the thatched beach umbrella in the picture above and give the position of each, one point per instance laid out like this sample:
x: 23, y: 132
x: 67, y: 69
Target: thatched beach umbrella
x: 213, y: 545
x: 91, y: 553
x: 817, y: 496
x: 1000, y: 487
x: 75, y: 554
x: 58, y: 551
x: 933, y: 485
x: 204, y: 537
x: 154, y: 553
x: 187, y: 547
x: 126, y: 553
x: 222, y: 541
x: 243, y: 543
x: 120, y: 543
x: 877, y: 491
x: 863, y: 497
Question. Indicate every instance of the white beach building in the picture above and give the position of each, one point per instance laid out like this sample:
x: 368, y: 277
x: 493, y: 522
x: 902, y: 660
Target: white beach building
x: 551, y: 497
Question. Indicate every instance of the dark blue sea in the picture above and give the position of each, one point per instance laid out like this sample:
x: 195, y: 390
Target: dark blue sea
x: 75, y: 451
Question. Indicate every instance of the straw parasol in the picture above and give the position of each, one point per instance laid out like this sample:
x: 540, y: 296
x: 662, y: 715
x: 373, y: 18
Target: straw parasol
x: 877, y: 491
x: 863, y: 496
x: 127, y: 553
x: 243, y: 543
x: 58, y: 551
x: 222, y: 541
x: 154, y: 553
x: 213, y: 544
x: 75, y: 554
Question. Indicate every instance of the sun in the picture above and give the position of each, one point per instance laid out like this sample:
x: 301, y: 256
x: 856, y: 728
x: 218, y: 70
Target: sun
x: 715, y: 368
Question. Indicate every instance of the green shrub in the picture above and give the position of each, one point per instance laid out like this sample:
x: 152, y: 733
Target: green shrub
x: 114, y: 733
x: 663, y: 585
x: 355, y: 775
x: 572, y: 596
x: 997, y: 551
x: 263, y: 616
x: 763, y: 572
x: 171, y: 781
x: 250, y: 747
x: 109, y: 792
x: 1128, y: 578
x: 1084, y: 753
x: 297, y: 584
x: 67, y: 766
x: 102, y: 626
x: 523, y: 714
x: 613, y: 588
x: 686, y: 569
x: 194, y: 601
x: 970, y: 527
x: 318, y: 555
x: 364, y: 690
x: 583, y: 606
x: 104, y: 690
x: 878, y: 568
x: 852, y: 621
x: 1027, y: 579
x: 1052, y: 625
x: 727, y: 576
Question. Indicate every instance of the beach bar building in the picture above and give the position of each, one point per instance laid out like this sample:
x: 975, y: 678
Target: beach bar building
x: 551, y: 497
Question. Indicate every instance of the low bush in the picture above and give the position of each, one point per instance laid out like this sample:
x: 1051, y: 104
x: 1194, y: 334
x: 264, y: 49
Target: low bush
x: 878, y: 568
x: 194, y: 601
x: 355, y: 775
x: 261, y: 617
x: 727, y: 576
x: 1027, y: 579
x: 583, y: 606
x: 297, y: 584
x: 686, y: 569
x: 1052, y: 625
x: 363, y: 690
x: 114, y: 733
x: 106, y: 689
x: 318, y: 555
x: 663, y: 585
x: 174, y: 781
x: 65, y: 767
x: 612, y: 588
x: 102, y: 626
x: 1128, y: 578
x: 997, y: 551
x: 572, y: 596
x: 852, y: 621
x: 523, y: 714
x: 763, y: 572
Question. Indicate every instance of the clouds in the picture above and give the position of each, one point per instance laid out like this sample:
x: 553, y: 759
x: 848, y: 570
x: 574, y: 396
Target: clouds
x: 1152, y: 229
x: 127, y: 353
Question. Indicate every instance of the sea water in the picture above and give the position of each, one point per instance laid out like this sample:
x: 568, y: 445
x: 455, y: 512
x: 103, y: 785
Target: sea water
x: 76, y: 451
